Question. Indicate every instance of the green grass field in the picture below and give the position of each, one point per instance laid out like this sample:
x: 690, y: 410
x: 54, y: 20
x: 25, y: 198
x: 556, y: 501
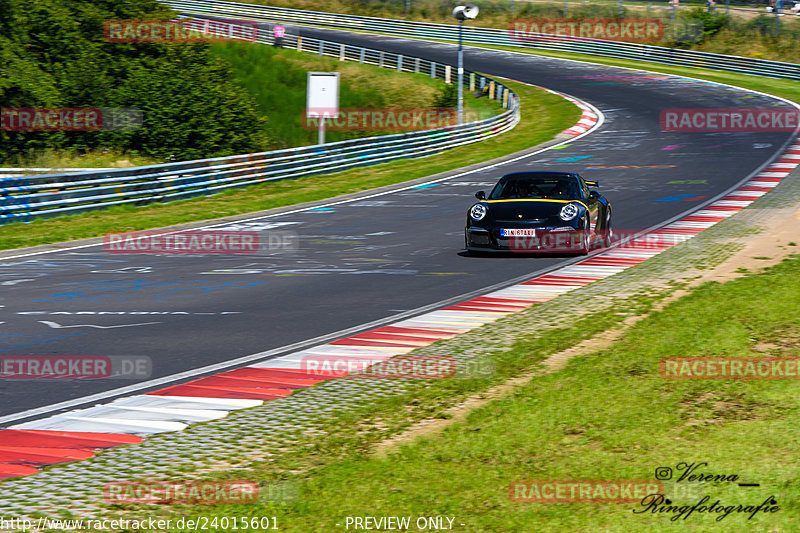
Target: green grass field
x: 609, y: 415
x: 277, y: 79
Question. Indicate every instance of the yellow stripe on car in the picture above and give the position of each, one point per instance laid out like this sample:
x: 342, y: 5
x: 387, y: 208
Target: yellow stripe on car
x: 536, y: 200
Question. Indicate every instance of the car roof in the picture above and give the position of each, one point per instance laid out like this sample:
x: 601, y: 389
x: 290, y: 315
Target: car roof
x: 540, y: 174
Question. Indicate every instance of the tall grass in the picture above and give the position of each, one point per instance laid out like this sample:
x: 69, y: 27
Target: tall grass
x: 277, y: 79
x: 77, y: 158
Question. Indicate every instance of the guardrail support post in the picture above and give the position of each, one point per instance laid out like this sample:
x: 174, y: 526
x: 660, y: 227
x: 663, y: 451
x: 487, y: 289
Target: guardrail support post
x: 777, y: 12
x: 321, y: 47
x: 400, y: 63
x: 361, y: 55
x: 299, y: 44
x: 471, y: 81
x: 447, y: 72
x: 505, y: 99
x: 342, y: 53
x: 433, y: 69
x: 416, y: 65
x: 491, y: 90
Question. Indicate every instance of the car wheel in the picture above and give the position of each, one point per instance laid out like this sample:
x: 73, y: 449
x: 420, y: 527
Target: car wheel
x: 608, y: 229
x: 586, y: 242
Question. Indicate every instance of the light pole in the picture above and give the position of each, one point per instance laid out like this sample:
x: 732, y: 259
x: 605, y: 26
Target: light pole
x: 462, y: 13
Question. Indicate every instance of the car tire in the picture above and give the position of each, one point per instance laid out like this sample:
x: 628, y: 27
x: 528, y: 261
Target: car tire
x: 586, y: 238
x: 608, y: 229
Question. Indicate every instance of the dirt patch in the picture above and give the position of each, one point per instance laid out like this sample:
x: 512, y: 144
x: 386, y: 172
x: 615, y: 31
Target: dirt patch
x: 760, y: 251
x: 781, y: 342
x: 459, y: 412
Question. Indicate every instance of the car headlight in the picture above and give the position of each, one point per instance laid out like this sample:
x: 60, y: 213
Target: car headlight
x: 569, y: 211
x: 478, y: 211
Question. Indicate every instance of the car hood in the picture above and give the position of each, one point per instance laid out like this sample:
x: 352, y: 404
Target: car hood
x: 512, y: 209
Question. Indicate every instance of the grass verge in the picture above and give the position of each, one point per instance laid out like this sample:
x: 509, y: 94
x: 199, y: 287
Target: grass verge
x: 97, y: 158
x: 544, y: 116
x: 277, y: 80
x: 607, y: 416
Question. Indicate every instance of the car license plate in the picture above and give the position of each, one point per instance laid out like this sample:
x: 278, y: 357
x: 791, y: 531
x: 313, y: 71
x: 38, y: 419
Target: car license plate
x: 518, y: 233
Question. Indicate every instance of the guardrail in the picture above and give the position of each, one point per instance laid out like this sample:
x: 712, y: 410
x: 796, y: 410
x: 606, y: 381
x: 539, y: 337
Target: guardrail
x: 494, y: 36
x: 25, y: 198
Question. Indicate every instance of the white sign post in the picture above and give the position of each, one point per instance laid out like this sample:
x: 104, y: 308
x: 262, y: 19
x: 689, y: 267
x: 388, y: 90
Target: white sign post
x: 323, y: 98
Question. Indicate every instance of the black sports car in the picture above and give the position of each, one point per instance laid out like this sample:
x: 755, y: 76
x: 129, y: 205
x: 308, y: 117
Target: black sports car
x: 536, y: 212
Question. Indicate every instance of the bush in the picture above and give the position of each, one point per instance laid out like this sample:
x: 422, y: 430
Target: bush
x: 447, y: 97
x: 762, y: 24
x: 712, y: 22
x: 52, y: 54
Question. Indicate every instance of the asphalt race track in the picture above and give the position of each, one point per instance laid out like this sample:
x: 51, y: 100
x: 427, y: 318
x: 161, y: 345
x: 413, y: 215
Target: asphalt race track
x: 368, y: 259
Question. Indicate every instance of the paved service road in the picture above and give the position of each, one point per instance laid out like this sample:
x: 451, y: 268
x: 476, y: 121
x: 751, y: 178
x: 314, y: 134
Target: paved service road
x: 367, y: 259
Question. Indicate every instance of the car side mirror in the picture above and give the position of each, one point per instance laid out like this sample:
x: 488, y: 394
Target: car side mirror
x: 594, y: 195
x: 480, y: 195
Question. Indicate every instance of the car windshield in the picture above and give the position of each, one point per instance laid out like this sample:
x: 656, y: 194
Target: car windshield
x: 557, y: 186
